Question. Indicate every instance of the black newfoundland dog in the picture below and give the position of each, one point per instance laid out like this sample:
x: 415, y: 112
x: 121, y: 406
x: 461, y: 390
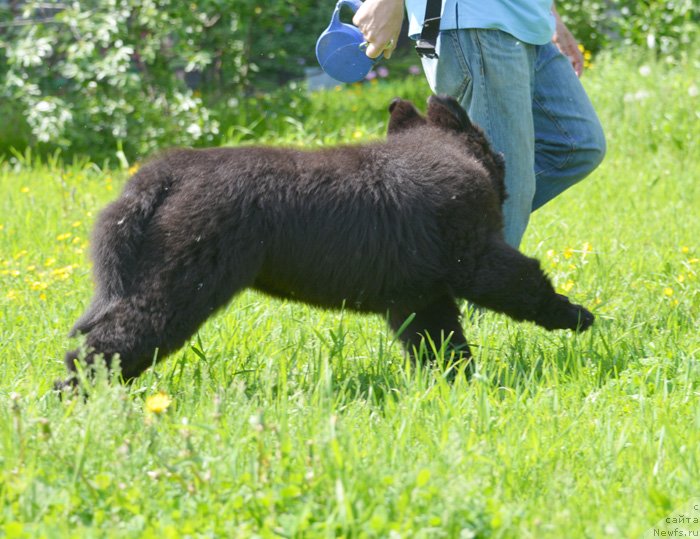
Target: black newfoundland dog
x: 402, y: 228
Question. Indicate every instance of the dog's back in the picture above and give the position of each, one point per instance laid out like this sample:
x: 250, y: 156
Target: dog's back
x: 331, y: 227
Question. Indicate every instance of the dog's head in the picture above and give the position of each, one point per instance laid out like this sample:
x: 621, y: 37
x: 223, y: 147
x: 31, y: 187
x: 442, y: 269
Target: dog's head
x: 443, y: 112
x: 446, y: 114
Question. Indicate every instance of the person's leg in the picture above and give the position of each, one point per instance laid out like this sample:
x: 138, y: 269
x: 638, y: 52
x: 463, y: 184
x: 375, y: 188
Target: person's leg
x: 491, y: 73
x: 569, y: 140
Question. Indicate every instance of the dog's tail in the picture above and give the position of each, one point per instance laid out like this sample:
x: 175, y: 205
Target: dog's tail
x: 118, y: 236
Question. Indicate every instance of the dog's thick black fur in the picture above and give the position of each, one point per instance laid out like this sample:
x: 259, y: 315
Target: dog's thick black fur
x: 404, y: 227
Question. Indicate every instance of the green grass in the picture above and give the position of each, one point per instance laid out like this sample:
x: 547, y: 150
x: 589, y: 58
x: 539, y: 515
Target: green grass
x: 293, y: 422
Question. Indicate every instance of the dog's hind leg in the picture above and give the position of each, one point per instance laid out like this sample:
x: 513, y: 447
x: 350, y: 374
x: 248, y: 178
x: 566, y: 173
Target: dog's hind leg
x: 507, y: 281
x: 439, y: 323
x: 160, y: 315
x: 138, y: 328
x: 132, y: 327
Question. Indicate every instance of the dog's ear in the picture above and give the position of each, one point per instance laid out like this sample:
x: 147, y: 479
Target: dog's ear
x: 403, y: 115
x: 446, y: 112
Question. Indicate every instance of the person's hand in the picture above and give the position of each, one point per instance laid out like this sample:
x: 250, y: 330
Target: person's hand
x: 567, y: 44
x: 380, y: 23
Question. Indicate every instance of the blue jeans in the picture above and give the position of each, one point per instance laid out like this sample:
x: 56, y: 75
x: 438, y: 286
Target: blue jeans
x: 531, y: 105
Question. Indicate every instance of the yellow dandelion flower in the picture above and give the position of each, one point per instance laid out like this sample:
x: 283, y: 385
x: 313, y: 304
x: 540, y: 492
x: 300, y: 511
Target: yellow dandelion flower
x: 2, y: 227
x: 42, y: 296
x: 587, y: 56
x: 31, y: 268
x: 11, y: 295
x: 108, y: 187
x: 567, y: 286
x: 76, y: 224
x: 133, y: 169
x: 63, y: 237
x: 668, y: 291
x: 24, y: 189
x: 20, y: 254
x: 50, y: 261
x: 587, y: 247
x: 38, y: 285
x: 680, y: 278
x: 158, y: 403
x: 685, y: 249
x: 357, y: 134
x: 76, y: 240
x: 693, y: 260
x: 568, y: 252
x: 62, y: 273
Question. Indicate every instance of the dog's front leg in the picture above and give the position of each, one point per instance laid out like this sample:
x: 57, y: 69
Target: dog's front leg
x: 507, y: 281
x: 430, y: 329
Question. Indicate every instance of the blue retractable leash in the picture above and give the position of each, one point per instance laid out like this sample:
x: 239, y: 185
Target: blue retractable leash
x: 340, y: 48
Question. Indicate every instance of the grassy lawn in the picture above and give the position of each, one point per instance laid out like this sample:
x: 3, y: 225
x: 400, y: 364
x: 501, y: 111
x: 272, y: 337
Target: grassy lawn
x: 286, y: 421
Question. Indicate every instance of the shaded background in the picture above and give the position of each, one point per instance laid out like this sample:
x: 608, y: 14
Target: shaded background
x: 124, y: 77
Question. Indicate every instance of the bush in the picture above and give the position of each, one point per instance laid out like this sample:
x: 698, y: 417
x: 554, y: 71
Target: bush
x: 668, y: 27
x: 96, y: 75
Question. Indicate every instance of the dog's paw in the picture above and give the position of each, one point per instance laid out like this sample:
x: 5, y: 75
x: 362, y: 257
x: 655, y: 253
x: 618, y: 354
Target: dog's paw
x: 66, y: 385
x: 562, y: 314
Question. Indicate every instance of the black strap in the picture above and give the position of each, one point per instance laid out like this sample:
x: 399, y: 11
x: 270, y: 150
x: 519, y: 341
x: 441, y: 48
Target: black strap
x: 425, y: 46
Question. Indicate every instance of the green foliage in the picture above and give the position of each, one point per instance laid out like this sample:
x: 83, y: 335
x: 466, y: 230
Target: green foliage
x: 105, y: 71
x: 668, y: 27
x: 94, y: 75
x: 122, y: 78
x: 284, y: 46
x: 290, y: 421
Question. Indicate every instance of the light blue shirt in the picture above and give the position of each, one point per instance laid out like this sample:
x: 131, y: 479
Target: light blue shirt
x: 530, y: 21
